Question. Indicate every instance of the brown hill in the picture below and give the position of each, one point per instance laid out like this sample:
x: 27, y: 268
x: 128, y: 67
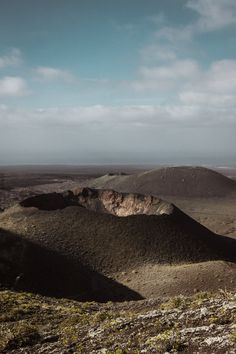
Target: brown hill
x: 171, y: 181
x: 83, y: 232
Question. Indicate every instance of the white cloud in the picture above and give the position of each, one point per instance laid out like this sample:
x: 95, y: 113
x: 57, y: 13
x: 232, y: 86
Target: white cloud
x: 221, y: 77
x: 12, y: 58
x: 199, y: 95
x: 213, y: 14
x: 184, y: 77
x: 180, y: 69
x: 215, y: 87
x: 174, y: 34
x: 163, y: 71
x: 166, y: 77
x: 52, y: 74
x: 199, y: 98
x: 99, y: 117
x: 157, y: 53
x: 13, y: 86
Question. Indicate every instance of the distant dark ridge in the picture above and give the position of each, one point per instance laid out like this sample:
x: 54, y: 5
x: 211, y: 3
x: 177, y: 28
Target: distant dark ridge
x: 108, y: 243
x: 171, y: 181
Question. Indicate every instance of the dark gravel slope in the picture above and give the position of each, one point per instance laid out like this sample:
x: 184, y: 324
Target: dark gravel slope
x: 172, y: 181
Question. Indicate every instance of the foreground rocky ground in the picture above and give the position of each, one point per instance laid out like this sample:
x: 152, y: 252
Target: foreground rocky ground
x: 204, y: 323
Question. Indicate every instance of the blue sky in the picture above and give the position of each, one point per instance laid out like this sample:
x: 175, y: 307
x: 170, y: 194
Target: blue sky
x: 87, y: 81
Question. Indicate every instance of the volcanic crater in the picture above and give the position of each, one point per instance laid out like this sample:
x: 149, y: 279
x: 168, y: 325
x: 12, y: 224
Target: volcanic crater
x: 87, y: 243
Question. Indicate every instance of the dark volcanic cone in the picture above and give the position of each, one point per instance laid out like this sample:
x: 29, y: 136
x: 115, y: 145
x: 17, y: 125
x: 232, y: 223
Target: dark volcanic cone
x: 171, y: 181
x: 90, y: 231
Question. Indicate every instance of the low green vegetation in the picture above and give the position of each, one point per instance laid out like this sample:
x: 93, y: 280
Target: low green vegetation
x: 175, y: 302
x: 28, y: 320
x: 222, y: 316
x: 19, y: 334
x: 167, y: 341
x: 233, y: 336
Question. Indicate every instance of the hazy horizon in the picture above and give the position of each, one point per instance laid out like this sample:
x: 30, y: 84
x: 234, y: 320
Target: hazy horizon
x: 128, y: 82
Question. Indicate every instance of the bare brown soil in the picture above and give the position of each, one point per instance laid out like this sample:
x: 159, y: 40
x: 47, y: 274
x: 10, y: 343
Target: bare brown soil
x: 217, y: 214
x: 153, y: 280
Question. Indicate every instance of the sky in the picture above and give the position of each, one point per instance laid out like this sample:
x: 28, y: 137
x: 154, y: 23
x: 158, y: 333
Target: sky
x: 113, y: 82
